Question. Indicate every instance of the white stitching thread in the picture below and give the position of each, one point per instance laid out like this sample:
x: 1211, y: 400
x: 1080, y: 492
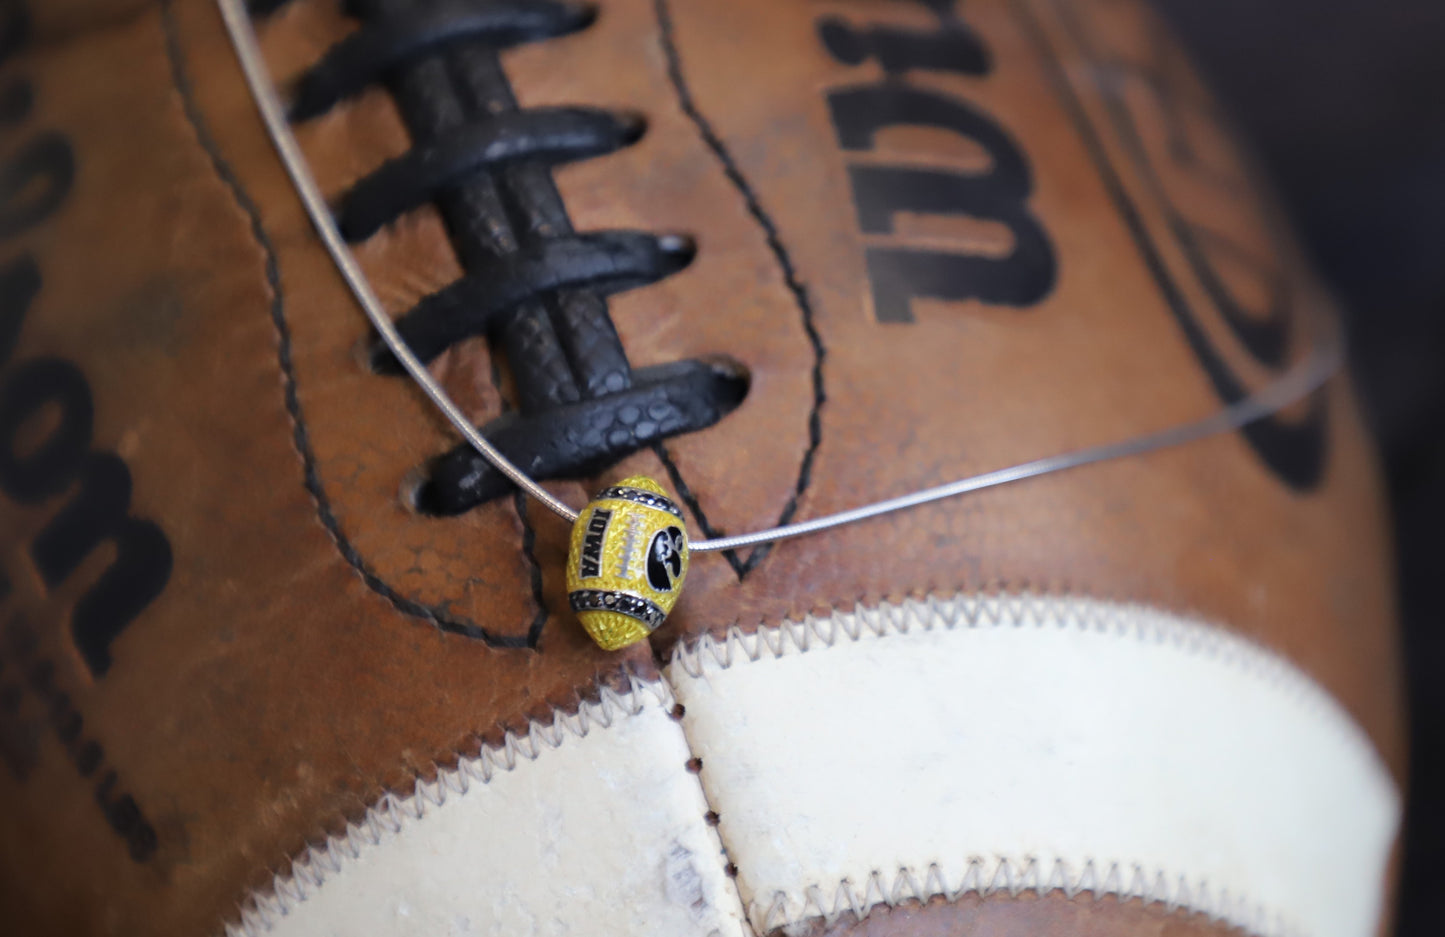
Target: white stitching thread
x: 392, y: 812
x: 1003, y: 875
x: 978, y: 611
x: 386, y: 818
x: 815, y: 632
x: 1020, y: 610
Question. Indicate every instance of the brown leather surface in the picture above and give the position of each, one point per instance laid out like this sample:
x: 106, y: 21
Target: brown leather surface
x: 1025, y: 915
x: 155, y: 286
x: 270, y: 691
x: 1029, y: 914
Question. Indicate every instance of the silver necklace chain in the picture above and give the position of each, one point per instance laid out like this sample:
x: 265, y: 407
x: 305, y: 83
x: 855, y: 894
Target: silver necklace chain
x: 1299, y: 381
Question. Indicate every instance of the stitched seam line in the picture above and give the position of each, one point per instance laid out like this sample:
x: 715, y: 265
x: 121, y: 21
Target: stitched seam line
x: 1003, y: 875
x: 385, y: 819
x: 706, y: 656
x: 529, y: 544
x: 743, y: 566
x: 711, y: 818
x: 1120, y: 621
x: 300, y: 437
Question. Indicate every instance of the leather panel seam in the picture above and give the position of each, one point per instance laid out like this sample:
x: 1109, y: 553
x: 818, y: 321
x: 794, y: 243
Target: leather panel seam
x: 743, y: 565
x: 301, y: 439
x: 816, y: 632
x: 1015, y: 876
x: 394, y: 811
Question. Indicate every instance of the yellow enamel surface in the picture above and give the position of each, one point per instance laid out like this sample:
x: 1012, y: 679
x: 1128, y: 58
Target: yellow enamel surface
x: 623, y: 562
x: 612, y: 631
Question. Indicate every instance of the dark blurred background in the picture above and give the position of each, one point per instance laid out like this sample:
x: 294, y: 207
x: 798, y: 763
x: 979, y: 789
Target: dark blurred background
x: 1344, y: 103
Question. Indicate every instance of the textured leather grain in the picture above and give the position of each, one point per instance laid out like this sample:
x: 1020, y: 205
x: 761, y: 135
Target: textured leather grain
x: 1007, y: 916
x: 939, y: 244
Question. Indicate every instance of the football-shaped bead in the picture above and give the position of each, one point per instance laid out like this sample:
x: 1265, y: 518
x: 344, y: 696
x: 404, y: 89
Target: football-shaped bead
x: 627, y: 562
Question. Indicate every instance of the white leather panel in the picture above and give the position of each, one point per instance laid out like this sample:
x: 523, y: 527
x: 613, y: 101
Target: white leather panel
x: 591, y: 826
x: 946, y: 746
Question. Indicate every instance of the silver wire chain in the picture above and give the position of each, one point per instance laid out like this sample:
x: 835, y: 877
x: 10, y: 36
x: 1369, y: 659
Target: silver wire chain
x: 1303, y: 378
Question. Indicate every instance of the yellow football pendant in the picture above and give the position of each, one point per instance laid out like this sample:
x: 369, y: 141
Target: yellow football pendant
x: 627, y: 561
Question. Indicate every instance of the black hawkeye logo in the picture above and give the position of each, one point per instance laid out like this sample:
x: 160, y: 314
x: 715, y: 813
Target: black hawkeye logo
x: 664, y: 558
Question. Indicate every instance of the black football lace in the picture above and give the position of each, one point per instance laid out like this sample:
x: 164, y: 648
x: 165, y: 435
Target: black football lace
x: 536, y: 288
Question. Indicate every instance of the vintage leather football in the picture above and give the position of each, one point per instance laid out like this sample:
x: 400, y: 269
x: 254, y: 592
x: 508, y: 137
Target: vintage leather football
x: 279, y: 654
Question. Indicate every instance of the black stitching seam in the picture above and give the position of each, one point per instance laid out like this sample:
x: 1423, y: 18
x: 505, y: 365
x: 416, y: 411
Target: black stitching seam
x: 744, y: 565
x: 529, y: 543
x: 300, y: 437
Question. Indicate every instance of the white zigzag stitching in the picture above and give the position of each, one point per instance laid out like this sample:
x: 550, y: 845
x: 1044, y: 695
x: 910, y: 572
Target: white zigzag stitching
x: 1022, y: 610
x: 392, y: 812
x: 1014, y: 876
x: 1124, y: 621
x: 387, y: 817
